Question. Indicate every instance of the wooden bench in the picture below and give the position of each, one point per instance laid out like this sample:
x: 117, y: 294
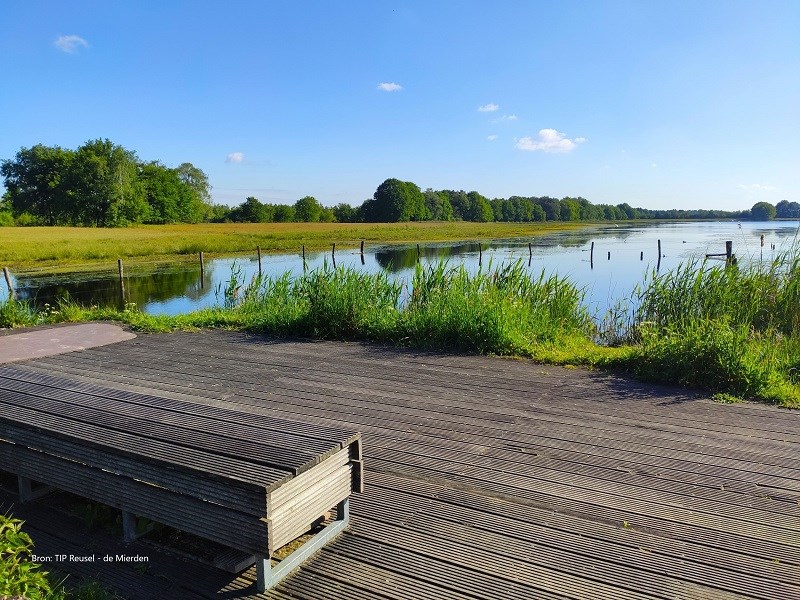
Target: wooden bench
x: 248, y: 481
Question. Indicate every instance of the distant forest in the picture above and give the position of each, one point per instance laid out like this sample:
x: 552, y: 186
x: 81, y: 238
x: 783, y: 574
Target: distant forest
x: 102, y: 184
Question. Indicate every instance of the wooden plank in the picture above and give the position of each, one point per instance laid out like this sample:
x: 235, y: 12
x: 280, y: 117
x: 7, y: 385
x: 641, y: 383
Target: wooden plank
x: 399, y: 500
x: 331, y: 436
x: 298, y: 517
x: 291, y: 489
x: 15, y: 423
x: 274, y: 456
x: 251, y: 499
x: 207, y: 520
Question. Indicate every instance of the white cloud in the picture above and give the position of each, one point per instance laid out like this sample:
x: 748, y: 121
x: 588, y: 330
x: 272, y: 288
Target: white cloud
x: 757, y: 187
x: 507, y: 118
x: 235, y: 157
x: 491, y: 107
x: 492, y: 137
x: 390, y: 87
x: 551, y: 141
x: 70, y: 43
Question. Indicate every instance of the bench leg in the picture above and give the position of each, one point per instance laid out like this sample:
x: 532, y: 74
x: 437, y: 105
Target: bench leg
x: 129, y: 527
x: 267, y: 577
x: 263, y: 573
x: 26, y: 491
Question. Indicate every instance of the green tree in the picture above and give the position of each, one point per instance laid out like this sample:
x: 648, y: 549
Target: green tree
x: 104, y: 183
x: 570, y: 210
x: 36, y: 183
x: 249, y: 211
x: 198, y: 200
x: 551, y: 207
x: 165, y: 193
x: 308, y: 210
x: 395, y: 201
x: 284, y: 213
x: 438, y: 205
x: 628, y: 210
x: 459, y: 202
x: 787, y: 210
x: 538, y: 214
x: 344, y: 213
x: 763, y: 211
x: 479, y: 208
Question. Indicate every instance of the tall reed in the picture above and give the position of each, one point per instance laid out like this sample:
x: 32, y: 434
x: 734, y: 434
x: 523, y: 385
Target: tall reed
x: 723, y: 328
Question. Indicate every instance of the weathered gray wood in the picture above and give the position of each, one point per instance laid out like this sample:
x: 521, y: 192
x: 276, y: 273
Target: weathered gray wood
x: 7, y: 275
x: 491, y: 478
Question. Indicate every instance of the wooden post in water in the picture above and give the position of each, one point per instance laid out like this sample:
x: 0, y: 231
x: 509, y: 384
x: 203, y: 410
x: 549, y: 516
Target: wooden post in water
x: 333, y: 254
x: 591, y: 257
x: 202, y: 271
x: 258, y: 251
x: 480, y: 254
x: 641, y: 255
x: 658, y: 264
x: 418, y: 253
x: 729, y: 252
x: 8, y: 283
x: 609, y: 255
x: 530, y: 251
x: 362, y: 247
x: 121, y: 282
x: 304, y: 257
x: 762, y: 246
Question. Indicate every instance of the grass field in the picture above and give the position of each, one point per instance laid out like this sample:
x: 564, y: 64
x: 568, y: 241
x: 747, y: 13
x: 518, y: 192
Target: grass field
x: 82, y: 248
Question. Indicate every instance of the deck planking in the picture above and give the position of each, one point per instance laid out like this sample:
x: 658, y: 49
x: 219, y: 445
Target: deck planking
x: 489, y: 478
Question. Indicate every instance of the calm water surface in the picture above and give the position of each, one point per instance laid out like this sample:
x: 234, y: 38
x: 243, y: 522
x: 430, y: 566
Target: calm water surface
x: 173, y: 290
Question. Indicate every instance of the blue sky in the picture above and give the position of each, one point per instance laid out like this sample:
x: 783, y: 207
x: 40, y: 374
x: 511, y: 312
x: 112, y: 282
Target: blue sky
x: 658, y: 104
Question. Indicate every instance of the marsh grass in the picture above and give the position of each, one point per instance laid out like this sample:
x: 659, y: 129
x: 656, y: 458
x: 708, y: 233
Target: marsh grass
x: 726, y: 329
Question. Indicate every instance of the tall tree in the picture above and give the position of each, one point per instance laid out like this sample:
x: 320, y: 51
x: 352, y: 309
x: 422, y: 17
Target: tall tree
x: 438, y: 205
x: 787, y: 210
x: 479, y: 208
x: 763, y: 211
x: 105, y: 184
x: 36, y: 183
x: 397, y: 200
x: 308, y: 210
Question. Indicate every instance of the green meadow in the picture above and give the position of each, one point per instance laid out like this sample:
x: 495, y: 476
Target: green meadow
x: 86, y: 248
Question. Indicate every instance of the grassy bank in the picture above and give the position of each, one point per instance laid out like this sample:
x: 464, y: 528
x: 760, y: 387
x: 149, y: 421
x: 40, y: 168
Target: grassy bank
x: 64, y: 248
x: 728, y: 330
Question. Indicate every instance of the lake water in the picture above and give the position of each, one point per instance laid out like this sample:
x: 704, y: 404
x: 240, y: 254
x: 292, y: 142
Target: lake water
x: 170, y: 289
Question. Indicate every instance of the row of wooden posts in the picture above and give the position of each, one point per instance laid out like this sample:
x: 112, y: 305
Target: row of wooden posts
x: 730, y: 258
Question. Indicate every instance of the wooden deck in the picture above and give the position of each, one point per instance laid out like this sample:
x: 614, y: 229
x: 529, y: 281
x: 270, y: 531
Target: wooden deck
x: 485, y: 477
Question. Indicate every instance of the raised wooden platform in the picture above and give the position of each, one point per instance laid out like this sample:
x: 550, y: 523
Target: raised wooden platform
x: 488, y: 478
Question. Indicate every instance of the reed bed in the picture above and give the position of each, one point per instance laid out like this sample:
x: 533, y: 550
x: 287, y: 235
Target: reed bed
x: 726, y: 329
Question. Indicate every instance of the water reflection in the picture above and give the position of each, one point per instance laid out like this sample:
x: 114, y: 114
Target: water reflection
x: 139, y: 288
x: 633, y: 254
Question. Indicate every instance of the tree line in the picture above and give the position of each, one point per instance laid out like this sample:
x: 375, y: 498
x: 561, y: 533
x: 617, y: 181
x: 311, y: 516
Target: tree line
x: 105, y: 185
x: 396, y: 201
x: 100, y: 184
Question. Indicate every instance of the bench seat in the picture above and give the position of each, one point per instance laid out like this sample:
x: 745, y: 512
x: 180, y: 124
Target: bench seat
x: 251, y: 482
